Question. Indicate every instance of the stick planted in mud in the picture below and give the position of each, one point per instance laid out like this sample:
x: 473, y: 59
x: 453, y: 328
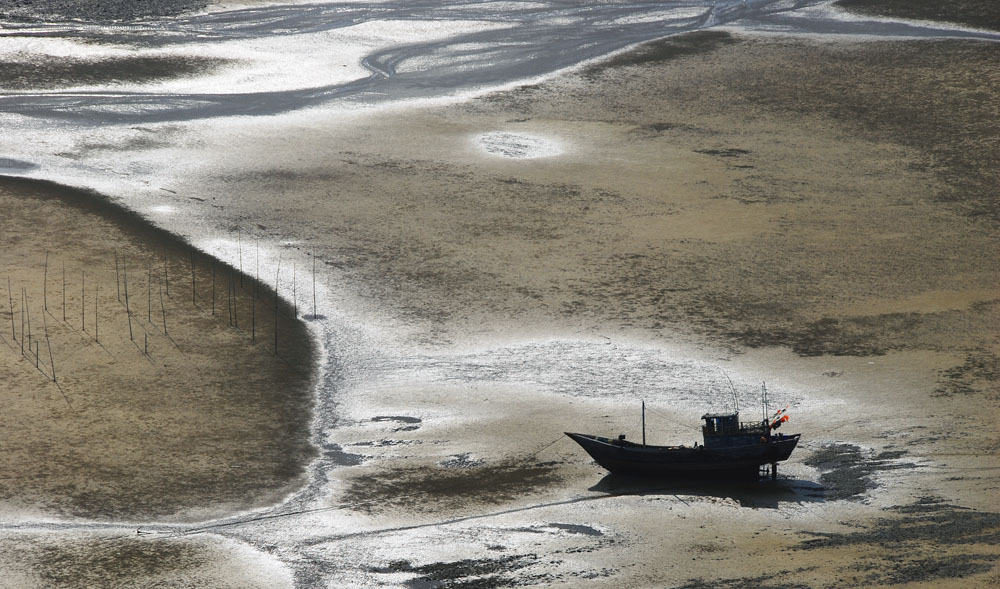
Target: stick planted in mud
x: 213, y: 288
x: 239, y: 247
x: 163, y: 311
x: 236, y: 302
x: 118, y: 279
x: 128, y: 310
x: 193, y: 280
x: 10, y: 301
x: 45, y: 286
x: 27, y: 312
x: 22, y: 321
x: 166, y: 275
x: 83, y: 300
x: 64, y: 289
x: 97, y: 311
x: 277, y: 274
x: 295, y: 296
x: 48, y: 345
x: 314, y: 283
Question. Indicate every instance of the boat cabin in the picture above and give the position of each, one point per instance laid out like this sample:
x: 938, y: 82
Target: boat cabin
x: 722, y: 430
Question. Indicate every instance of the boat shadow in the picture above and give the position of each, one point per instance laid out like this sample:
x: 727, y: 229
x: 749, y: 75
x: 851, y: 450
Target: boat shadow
x: 762, y: 494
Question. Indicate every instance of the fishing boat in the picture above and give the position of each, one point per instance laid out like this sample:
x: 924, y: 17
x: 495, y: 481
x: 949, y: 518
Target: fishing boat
x: 730, y: 448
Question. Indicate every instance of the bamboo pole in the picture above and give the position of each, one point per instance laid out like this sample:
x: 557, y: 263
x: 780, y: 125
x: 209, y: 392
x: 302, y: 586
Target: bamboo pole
x: 27, y: 312
x: 163, y: 311
x: 83, y: 300
x: 166, y: 275
x: 236, y: 303
x: 239, y: 247
x: 45, y: 286
x: 118, y: 281
x: 277, y: 274
x: 64, y: 288
x: 48, y: 345
x: 193, y: 280
x: 97, y: 310
x: 128, y: 309
x: 10, y: 301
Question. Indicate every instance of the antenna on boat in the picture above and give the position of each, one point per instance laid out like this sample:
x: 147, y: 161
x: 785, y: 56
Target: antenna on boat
x: 732, y: 387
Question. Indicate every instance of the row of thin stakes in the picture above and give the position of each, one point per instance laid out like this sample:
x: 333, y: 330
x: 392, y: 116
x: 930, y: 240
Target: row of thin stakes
x: 30, y: 346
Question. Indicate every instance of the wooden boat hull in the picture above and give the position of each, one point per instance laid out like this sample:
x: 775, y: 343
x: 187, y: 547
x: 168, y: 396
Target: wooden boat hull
x: 629, y: 458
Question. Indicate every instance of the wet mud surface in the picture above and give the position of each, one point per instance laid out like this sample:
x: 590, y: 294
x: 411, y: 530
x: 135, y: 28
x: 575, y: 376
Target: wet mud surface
x: 448, y: 487
x: 103, y: 560
x: 817, y: 248
x: 974, y: 13
x: 930, y: 540
x: 846, y: 471
x: 153, y: 413
x: 95, y: 10
x: 65, y: 72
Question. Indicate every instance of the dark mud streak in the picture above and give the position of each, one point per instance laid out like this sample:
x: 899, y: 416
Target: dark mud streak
x: 927, y: 520
x: 847, y: 472
x: 49, y: 73
x: 483, y: 573
x: 926, y: 541
x: 770, y: 581
x: 662, y: 50
x: 95, y: 10
x: 441, y: 488
x: 983, y: 14
x: 105, y: 561
x: 979, y: 373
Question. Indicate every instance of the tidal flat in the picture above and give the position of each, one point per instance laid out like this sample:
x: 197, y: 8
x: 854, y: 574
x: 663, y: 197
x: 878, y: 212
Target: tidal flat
x: 813, y: 211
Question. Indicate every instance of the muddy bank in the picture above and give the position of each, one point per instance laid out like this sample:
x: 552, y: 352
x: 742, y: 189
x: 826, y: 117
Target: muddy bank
x: 57, y: 72
x: 102, y: 559
x: 143, y: 377
x: 983, y: 14
x: 96, y: 10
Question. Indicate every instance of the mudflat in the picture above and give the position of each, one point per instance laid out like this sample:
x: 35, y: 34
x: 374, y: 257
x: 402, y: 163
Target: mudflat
x: 818, y: 212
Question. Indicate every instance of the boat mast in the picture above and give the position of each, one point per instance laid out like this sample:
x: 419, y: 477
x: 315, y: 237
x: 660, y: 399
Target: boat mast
x: 644, y: 423
x: 763, y: 386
